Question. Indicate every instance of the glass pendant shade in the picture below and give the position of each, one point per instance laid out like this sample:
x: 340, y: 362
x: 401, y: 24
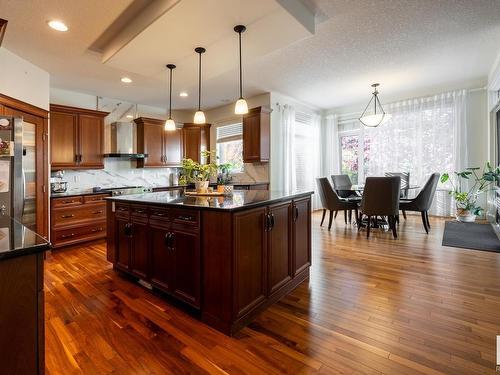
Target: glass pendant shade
x: 169, y: 125
x: 199, y: 117
x: 378, y: 117
x: 241, y: 107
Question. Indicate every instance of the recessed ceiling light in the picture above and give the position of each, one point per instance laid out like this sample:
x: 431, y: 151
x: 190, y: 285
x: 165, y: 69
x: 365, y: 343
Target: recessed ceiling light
x: 130, y: 116
x: 58, y: 25
x: 126, y: 80
x: 183, y: 94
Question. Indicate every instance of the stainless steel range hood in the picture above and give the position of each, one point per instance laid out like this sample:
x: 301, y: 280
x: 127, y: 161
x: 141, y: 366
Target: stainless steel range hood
x: 124, y: 141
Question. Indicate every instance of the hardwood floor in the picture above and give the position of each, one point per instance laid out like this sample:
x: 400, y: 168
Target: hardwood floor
x: 405, y: 306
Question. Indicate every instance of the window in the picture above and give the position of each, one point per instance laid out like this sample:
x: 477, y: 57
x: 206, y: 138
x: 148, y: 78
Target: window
x: 230, y: 145
x: 306, y: 147
x: 349, y: 156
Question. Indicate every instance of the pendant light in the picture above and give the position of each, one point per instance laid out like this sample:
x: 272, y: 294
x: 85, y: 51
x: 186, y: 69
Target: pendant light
x: 199, y: 116
x: 379, y: 116
x: 170, y: 124
x: 241, y: 106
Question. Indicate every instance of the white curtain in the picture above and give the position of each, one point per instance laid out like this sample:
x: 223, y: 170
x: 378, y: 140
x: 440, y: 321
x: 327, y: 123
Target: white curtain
x: 330, y: 146
x: 424, y: 135
x: 287, y: 113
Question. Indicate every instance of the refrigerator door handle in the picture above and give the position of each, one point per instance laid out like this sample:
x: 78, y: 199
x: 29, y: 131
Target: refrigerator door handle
x: 23, y: 195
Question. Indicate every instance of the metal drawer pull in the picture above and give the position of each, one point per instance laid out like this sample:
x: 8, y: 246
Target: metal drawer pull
x: 185, y: 218
x: 97, y: 229
x: 67, y: 235
x: 158, y: 214
x: 139, y: 211
x: 97, y: 212
x: 68, y: 202
x: 122, y: 209
x: 67, y: 216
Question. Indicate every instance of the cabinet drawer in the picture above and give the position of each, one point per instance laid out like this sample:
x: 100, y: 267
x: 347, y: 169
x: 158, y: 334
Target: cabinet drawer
x: 82, y: 233
x: 67, y: 202
x: 159, y: 214
x: 186, y: 217
x: 122, y: 210
x: 94, y: 198
x: 139, y: 211
x: 71, y: 215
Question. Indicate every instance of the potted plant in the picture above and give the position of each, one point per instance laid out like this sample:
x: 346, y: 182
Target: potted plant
x: 197, y: 173
x: 467, y: 186
x: 224, y: 177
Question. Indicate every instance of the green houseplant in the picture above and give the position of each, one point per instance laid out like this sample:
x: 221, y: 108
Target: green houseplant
x: 467, y: 186
x: 198, y: 173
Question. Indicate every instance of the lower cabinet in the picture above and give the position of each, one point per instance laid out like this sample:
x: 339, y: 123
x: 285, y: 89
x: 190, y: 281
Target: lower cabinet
x: 301, y: 213
x: 149, y: 245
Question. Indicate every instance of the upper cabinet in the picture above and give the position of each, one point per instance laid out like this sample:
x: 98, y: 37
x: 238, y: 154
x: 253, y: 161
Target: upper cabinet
x: 196, y: 138
x: 256, y: 135
x: 76, y: 137
x: 164, y: 148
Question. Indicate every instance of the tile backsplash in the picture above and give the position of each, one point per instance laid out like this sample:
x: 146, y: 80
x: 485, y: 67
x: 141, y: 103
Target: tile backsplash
x: 121, y: 172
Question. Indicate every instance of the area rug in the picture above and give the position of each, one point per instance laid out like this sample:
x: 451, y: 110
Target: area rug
x: 470, y: 236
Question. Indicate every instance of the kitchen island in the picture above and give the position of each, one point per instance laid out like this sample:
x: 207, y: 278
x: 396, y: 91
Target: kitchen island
x: 22, y: 339
x: 227, y: 257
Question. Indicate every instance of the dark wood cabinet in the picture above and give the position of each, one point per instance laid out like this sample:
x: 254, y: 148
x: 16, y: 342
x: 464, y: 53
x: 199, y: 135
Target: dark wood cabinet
x: 251, y: 260
x: 123, y: 243
x: 196, y: 138
x: 256, y: 135
x: 138, y: 241
x: 162, y: 258
x: 76, y: 137
x: 22, y: 315
x: 164, y: 148
x: 301, y: 235
x: 186, y: 249
x: 77, y: 219
x: 279, y: 246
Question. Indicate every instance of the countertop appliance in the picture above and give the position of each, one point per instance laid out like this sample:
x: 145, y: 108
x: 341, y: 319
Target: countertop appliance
x: 18, y: 169
x: 126, y: 190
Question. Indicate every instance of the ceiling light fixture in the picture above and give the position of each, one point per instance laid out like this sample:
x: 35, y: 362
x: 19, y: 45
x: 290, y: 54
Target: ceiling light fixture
x: 130, y: 116
x: 241, y: 106
x: 170, y: 124
x: 199, y: 116
x: 126, y: 80
x: 58, y: 25
x: 183, y: 94
x: 378, y: 117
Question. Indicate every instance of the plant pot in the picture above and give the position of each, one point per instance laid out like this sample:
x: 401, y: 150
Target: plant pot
x: 465, y: 216
x: 201, y: 186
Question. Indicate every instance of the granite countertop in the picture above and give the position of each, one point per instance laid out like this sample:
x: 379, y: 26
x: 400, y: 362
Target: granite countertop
x: 90, y: 192
x: 237, y: 201
x: 17, y: 240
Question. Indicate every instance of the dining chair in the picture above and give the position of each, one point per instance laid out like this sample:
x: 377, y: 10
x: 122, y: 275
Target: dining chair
x: 380, y: 198
x: 423, y: 201
x: 405, y: 185
x: 332, y: 202
x: 342, y: 180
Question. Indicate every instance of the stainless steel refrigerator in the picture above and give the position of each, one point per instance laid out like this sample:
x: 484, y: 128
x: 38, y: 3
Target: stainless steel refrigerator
x: 18, y: 169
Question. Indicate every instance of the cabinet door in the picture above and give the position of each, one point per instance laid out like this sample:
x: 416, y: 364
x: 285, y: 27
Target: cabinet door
x: 250, y: 259
x: 153, y: 146
x: 173, y: 147
x: 192, y: 143
x: 280, y: 246
x: 63, y: 140
x: 161, y: 258
x: 301, y: 235
x: 187, y: 267
x: 205, y: 141
x: 139, y: 249
x: 91, y: 133
x: 122, y: 244
x: 251, y: 138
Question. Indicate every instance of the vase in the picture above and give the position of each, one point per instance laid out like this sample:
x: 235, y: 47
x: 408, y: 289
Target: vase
x: 201, y: 186
x: 465, y: 216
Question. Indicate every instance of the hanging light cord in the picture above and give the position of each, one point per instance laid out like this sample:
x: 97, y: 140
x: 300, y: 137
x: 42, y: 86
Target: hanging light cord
x: 241, y: 72
x: 170, y: 97
x: 199, y: 85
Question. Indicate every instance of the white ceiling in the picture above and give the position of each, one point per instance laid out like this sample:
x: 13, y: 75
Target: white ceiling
x: 407, y: 46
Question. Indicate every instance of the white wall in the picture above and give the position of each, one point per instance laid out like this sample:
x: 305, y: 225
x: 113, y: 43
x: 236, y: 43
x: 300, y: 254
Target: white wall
x: 22, y: 80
